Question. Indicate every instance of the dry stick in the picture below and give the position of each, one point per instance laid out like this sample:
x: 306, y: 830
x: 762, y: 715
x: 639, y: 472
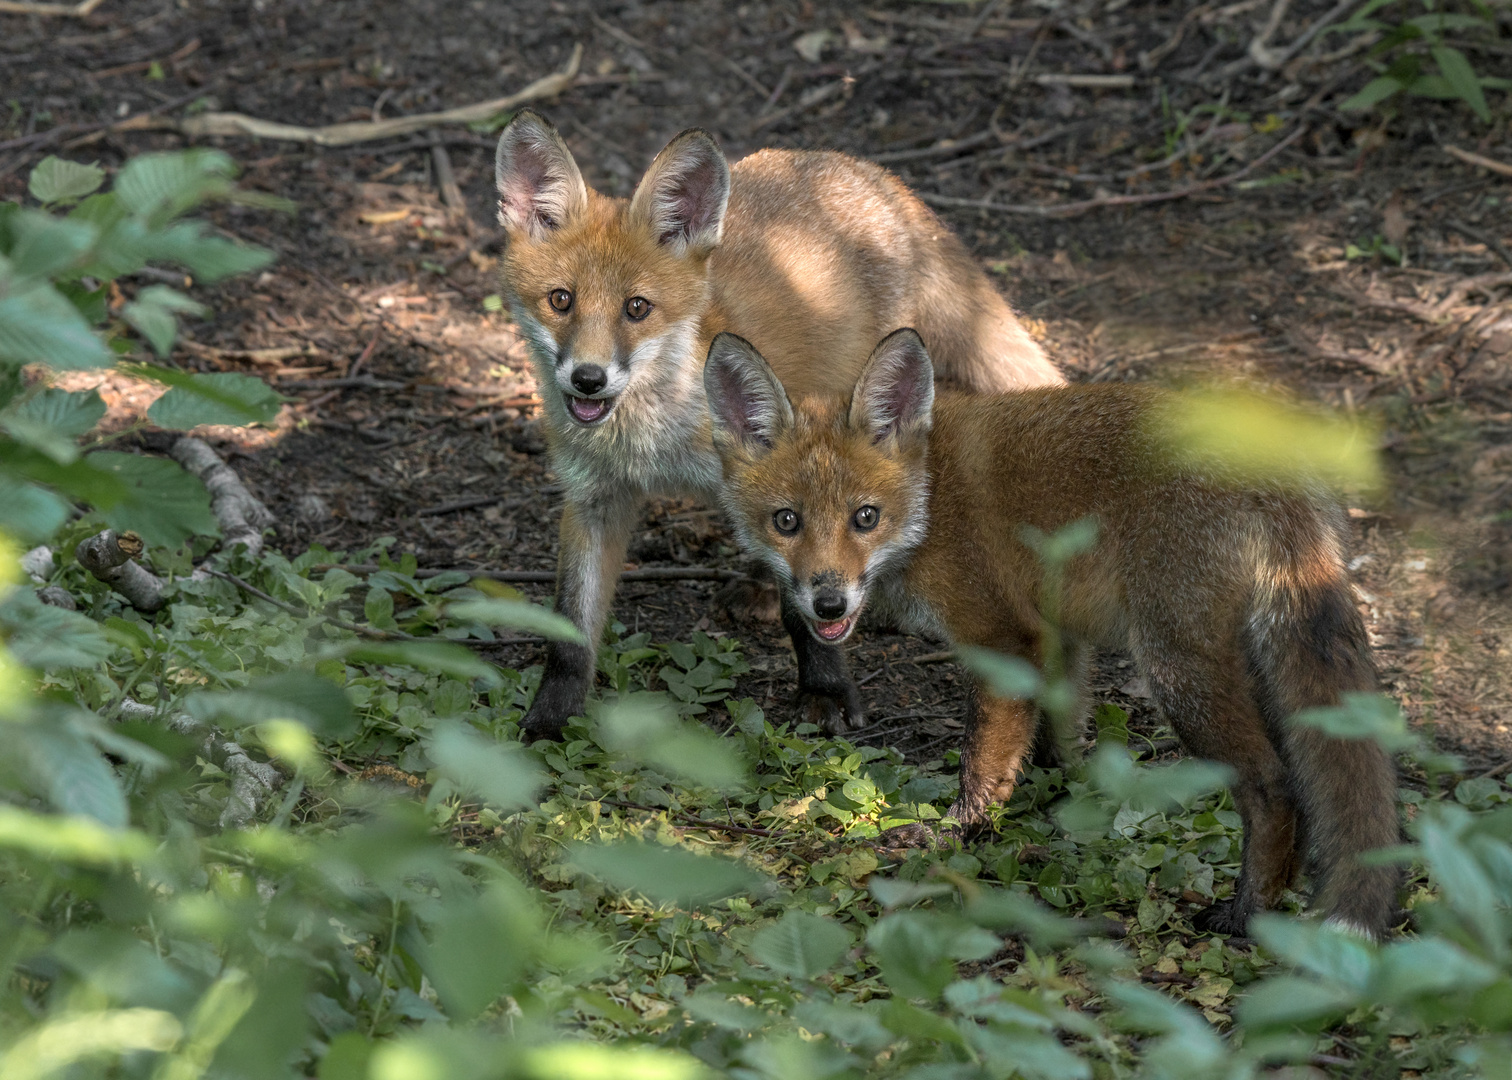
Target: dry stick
x: 446, y: 181
x: 1274, y: 61
x: 80, y: 10
x: 1476, y: 159
x: 365, y: 131
x: 1486, y: 238
x: 1072, y: 209
x: 111, y: 557
x: 814, y: 97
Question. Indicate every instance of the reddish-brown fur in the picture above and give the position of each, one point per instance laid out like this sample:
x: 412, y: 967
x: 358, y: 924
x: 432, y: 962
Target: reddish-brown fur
x: 1232, y: 597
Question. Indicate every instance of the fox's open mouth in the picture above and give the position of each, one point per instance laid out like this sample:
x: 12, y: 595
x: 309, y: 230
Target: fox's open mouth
x: 837, y: 630
x: 588, y: 410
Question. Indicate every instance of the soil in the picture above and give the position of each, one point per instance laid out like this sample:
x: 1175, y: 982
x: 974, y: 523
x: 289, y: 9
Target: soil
x: 410, y: 392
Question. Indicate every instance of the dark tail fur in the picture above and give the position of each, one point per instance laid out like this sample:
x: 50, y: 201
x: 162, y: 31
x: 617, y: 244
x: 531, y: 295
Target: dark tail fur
x: 1307, y: 647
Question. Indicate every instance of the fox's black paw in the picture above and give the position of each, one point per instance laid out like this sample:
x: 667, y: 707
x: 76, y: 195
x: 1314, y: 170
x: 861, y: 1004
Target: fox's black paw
x: 554, y: 706
x: 1224, y: 917
x: 835, y: 714
x: 901, y: 838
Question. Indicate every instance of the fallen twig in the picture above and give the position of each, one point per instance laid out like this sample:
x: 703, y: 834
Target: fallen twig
x: 111, y: 558
x: 1072, y: 209
x: 81, y: 10
x: 1476, y: 159
x: 219, y: 123
x: 1491, y: 242
x: 815, y: 97
x: 446, y: 181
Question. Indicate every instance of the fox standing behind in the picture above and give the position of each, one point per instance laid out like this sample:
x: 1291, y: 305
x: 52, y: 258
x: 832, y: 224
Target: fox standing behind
x: 814, y: 255
x: 1232, y: 597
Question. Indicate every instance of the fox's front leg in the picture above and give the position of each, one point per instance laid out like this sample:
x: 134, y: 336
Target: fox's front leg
x: 999, y: 735
x: 591, y: 553
x: 825, y: 687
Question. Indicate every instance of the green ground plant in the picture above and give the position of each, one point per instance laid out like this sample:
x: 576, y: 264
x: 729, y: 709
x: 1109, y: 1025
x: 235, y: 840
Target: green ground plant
x: 681, y: 888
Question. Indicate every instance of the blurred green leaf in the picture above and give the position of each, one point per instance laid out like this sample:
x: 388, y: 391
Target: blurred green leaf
x: 39, y: 326
x: 645, y: 729
x: 517, y: 615
x: 1006, y: 676
x: 218, y: 398
x: 301, y: 696
x: 155, y: 313
x: 161, y: 502
x: 482, y: 945
x: 56, y: 182
x: 917, y: 950
x: 801, y: 945
x: 505, y: 775
x: 668, y: 875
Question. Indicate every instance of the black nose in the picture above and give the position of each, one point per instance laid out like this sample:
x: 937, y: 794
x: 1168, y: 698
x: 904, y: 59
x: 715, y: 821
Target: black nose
x: 829, y: 603
x: 589, y: 378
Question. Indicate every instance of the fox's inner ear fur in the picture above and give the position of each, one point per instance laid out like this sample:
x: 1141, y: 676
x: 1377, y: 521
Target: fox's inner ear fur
x: 540, y: 187
x: 683, y: 195
x: 895, y: 393
x: 747, y: 401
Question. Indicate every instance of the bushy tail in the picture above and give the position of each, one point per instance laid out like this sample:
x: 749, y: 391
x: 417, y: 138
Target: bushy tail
x: 1307, y: 647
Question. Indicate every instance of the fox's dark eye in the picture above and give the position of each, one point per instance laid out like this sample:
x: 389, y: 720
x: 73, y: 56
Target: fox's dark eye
x: 787, y: 522
x: 866, y: 518
x: 637, y: 308
x: 560, y: 299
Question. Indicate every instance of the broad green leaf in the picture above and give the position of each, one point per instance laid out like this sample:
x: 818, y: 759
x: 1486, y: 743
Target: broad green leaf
x: 68, y: 413
x: 56, y: 1046
x: 1327, y: 952
x: 46, y: 637
x: 1003, y: 911
x: 517, y: 615
x: 218, y: 398
x: 577, y: 1059
x: 1361, y: 716
x: 1456, y: 69
x: 55, y: 182
x: 1005, y: 676
x: 39, y: 437
x: 481, y: 947
x: 668, y: 875
x: 643, y: 728
x: 28, y: 512
x: 917, y: 950
x: 439, y: 656
x: 43, y: 245
x: 801, y: 945
x: 161, y: 502
x: 301, y: 696
x: 1035, y: 1055
x: 39, y: 326
x: 80, y: 840
x: 166, y: 184
x: 155, y: 313
x: 1285, y: 1000
x: 1372, y: 94
x: 76, y: 777
x: 505, y: 775
x: 209, y: 258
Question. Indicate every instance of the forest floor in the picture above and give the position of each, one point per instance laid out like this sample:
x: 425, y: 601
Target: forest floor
x: 410, y: 392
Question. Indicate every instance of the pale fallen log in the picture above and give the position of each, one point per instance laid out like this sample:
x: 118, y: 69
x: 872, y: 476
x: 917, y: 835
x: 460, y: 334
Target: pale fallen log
x: 111, y: 557
x: 241, y: 515
x: 232, y: 124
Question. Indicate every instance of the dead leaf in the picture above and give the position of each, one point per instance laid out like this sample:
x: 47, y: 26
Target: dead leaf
x: 811, y: 45
x: 1394, y: 220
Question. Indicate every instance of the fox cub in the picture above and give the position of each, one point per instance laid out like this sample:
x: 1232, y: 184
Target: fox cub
x: 814, y: 255
x: 1233, y: 598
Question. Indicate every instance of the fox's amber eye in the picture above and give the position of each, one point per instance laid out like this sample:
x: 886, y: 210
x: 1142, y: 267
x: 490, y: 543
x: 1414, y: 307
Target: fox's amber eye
x: 637, y: 308
x: 560, y: 299
x: 787, y: 522
x: 866, y: 518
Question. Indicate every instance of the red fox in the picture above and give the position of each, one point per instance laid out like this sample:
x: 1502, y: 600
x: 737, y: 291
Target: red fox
x: 814, y: 255
x: 1232, y: 597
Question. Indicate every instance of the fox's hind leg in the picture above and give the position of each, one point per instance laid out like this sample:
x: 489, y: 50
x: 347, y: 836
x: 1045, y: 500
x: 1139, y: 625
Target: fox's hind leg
x: 1204, y: 694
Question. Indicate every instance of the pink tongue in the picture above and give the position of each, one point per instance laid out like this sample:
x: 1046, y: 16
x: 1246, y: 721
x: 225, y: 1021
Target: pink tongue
x: 831, y: 630
x: 587, y: 410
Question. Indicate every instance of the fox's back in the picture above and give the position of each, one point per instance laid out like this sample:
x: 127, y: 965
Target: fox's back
x: 823, y: 254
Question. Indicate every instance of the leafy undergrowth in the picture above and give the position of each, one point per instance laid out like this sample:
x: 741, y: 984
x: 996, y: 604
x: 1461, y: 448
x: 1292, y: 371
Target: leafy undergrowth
x: 679, y: 888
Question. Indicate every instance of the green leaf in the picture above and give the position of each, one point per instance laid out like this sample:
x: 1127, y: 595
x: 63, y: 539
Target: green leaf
x: 28, y: 512
x: 917, y: 950
x: 166, y: 184
x: 77, y: 778
x: 301, y: 696
x: 1361, y: 716
x: 801, y: 945
x: 218, y: 398
x: 209, y: 258
x: 503, y: 774
x: 57, y: 182
x: 160, y: 501
x: 1456, y: 69
x: 80, y: 840
x: 438, y: 656
x: 1005, y: 676
x: 68, y: 413
x: 43, y: 245
x: 39, y: 326
x: 46, y: 637
x: 667, y: 875
x: 155, y: 314
x: 1372, y: 94
x: 1286, y: 1000
x: 481, y: 947
x: 517, y: 615
x: 643, y: 728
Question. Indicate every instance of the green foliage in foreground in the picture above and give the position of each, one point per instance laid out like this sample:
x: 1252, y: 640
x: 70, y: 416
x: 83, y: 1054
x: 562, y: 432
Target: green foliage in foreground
x: 240, y: 838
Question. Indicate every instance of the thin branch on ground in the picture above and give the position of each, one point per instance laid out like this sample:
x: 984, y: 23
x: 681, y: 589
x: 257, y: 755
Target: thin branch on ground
x: 1484, y: 162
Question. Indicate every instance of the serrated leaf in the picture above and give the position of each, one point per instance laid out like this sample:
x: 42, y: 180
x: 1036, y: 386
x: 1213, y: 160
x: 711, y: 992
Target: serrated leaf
x: 160, y: 501
x: 667, y: 875
x: 301, y: 696
x: 517, y: 615
x: 504, y: 775
x: 1456, y: 69
x: 644, y: 728
x: 46, y: 637
x: 55, y: 181
x: 917, y: 950
x: 39, y: 326
x: 28, y: 512
x: 43, y: 245
x: 209, y: 258
x: 801, y: 945
x: 155, y: 314
x: 166, y: 184
x: 70, y: 413
x: 217, y: 398
x: 76, y: 777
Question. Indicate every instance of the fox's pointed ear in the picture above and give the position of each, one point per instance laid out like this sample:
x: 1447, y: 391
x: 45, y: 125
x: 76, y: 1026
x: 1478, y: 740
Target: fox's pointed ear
x: 895, y: 394
x: 683, y: 195
x: 540, y: 187
x: 748, y: 403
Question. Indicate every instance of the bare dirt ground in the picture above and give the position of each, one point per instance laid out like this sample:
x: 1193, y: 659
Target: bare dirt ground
x: 411, y: 410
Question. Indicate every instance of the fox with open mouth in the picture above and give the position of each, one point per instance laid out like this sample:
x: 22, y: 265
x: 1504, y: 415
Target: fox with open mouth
x: 812, y: 254
x: 1232, y: 594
